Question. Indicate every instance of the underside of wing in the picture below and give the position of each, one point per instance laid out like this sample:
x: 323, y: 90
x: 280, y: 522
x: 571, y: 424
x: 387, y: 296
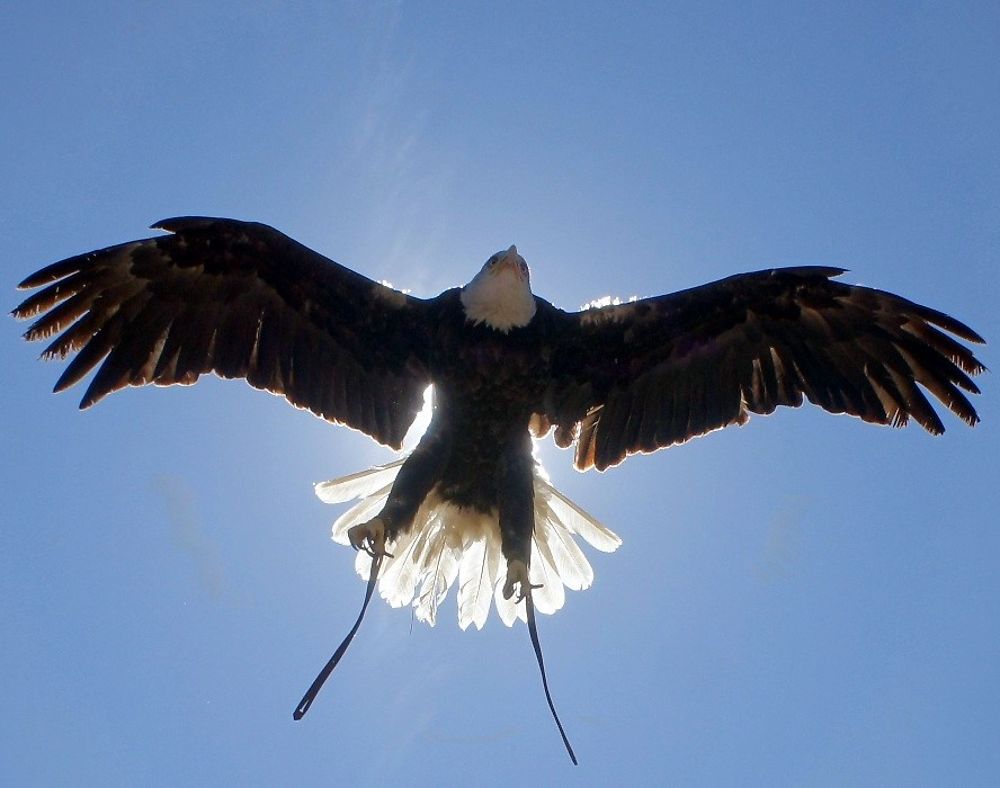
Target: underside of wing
x: 644, y: 375
x: 240, y: 300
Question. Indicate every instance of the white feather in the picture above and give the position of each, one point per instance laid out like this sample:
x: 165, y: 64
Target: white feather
x: 576, y: 520
x: 474, y: 583
x: 448, y: 543
x: 357, y: 485
x: 361, y: 512
x: 441, y: 569
x: 568, y: 558
x: 550, y: 594
x: 399, y: 573
x: 498, y: 295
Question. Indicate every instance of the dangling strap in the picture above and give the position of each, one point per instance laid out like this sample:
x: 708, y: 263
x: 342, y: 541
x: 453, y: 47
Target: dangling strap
x: 324, y: 674
x: 533, y: 632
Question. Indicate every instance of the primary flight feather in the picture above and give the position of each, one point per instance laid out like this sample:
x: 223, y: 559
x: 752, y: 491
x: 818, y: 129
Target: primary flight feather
x: 469, y: 503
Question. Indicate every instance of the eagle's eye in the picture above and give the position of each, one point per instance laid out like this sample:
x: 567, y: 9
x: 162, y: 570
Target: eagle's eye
x: 523, y: 266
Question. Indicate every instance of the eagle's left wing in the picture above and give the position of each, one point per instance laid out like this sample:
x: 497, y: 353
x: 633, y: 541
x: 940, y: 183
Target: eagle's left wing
x: 643, y: 375
x: 239, y: 299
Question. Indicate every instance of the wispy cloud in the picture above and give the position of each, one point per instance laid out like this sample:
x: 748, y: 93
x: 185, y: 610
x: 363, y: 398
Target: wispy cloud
x: 407, y: 177
x: 777, y: 559
x: 187, y: 535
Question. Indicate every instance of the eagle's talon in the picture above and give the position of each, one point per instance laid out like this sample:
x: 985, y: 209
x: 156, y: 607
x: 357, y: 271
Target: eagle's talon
x: 517, y: 575
x: 370, y: 537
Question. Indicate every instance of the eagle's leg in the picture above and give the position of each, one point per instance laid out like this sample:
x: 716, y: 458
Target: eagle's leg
x: 369, y: 536
x: 517, y: 576
x: 416, y: 478
x: 516, y: 505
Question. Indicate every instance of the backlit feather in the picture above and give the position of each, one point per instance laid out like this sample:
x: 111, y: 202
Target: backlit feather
x: 448, y: 543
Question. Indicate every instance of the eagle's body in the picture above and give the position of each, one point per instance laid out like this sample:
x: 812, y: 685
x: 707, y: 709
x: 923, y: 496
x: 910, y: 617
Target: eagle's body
x: 487, y: 385
x: 476, y: 453
x: 242, y: 300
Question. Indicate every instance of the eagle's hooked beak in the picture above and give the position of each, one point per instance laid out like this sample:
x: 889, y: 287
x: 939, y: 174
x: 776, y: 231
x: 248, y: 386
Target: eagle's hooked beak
x: 514, y: 262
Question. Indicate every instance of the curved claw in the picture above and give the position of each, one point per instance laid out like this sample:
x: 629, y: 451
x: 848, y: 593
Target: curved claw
x: 517, y: 575
x: 370, y: 537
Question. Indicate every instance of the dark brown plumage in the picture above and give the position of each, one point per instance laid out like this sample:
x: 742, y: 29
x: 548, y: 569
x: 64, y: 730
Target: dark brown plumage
x: 244, y: 301
x: 644, y: 375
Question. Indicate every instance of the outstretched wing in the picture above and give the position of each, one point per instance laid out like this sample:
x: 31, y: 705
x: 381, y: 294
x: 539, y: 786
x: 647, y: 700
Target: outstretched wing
x: 640, y: 376
x: 243, y: 301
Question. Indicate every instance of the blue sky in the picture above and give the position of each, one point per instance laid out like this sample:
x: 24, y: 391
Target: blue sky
x: 805, y: 601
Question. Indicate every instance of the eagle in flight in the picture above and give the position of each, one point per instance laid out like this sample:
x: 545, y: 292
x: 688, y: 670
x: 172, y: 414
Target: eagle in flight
x: 469, y: 502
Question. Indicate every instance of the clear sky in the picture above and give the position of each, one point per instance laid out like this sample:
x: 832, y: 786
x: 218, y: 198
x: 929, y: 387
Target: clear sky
x: 808, y: 600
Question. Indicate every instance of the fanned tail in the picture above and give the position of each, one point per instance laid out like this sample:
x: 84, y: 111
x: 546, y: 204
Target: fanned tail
x: 448, y: 543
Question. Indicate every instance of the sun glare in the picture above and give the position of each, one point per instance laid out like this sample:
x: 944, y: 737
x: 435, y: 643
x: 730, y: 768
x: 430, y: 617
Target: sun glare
x: 419, y: 425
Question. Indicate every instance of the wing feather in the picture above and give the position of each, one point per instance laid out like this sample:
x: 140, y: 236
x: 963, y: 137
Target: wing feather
x: 644, y: 375
x: 239, y: 300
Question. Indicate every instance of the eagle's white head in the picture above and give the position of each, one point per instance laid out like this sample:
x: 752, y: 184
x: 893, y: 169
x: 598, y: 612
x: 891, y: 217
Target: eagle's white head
x: 500, y: 294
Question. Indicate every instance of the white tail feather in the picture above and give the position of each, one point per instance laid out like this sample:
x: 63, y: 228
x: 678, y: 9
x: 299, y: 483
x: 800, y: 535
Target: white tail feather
x: 357, y: 485
x: 477, y: 574
x: 448, y: 543
x: 577, y: 521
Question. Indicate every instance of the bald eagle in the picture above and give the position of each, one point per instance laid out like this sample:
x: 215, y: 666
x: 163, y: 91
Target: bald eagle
x: 242, y: 300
